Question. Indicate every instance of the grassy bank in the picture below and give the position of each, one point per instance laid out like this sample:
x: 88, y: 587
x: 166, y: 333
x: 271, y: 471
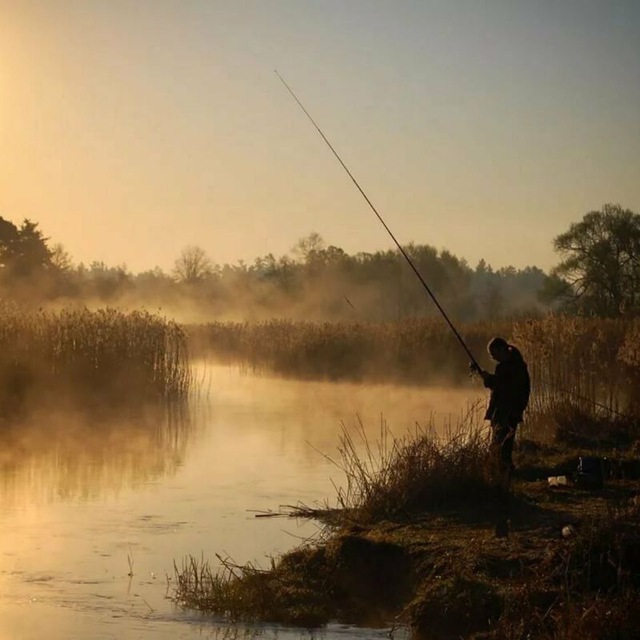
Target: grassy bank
x: 423, y: 538
x: 102, y: 358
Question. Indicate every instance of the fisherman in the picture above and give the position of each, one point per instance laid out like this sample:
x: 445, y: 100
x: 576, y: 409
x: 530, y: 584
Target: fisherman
x: 510, y: 386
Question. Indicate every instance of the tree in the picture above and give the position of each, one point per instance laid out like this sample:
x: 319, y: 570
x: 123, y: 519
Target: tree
x: 60, y: 258
x: 192, y: 265
x: 23, y: 251
x: 308, y: 247
x: 107, y: 282
x: 600, y: 270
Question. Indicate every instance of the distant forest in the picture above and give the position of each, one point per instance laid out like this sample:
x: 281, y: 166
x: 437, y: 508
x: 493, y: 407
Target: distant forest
x: 598, y: 275
x: 314, y: 281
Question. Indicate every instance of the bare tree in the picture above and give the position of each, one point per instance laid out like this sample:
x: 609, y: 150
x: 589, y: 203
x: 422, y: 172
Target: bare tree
x: 193, y: 265
x: 309, y: 246
x: 60, y: 258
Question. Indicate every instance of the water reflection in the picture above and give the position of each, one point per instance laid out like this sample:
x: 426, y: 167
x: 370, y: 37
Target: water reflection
x: 79, y: 497
x: 74, y: 457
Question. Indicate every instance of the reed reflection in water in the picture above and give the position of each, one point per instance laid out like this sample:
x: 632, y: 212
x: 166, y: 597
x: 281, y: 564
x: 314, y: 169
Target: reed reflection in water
x: 77, y: 457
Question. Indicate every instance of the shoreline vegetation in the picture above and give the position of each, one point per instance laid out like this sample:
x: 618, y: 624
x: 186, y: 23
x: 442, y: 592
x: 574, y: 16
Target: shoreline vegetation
x: 94, y: 360
x: 574, y: 361
x: 420, y: 536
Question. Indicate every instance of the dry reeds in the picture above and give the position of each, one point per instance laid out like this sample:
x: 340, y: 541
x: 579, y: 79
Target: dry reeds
x: 589, y: 363
x: 291, y: 591
x: 411, y: 350
x: 230, y: 591
x: 420, y: 472
x: 99, y: 357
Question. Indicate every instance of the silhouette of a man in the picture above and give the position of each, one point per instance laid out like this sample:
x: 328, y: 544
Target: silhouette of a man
x: 510, y: 388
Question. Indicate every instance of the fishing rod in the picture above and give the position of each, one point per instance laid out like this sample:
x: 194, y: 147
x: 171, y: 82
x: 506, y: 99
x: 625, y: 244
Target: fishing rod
x: 413, y: 266
x: 384, y: 224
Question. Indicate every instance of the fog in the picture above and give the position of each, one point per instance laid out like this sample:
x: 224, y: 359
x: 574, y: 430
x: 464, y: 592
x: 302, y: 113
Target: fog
x: 313, y: 281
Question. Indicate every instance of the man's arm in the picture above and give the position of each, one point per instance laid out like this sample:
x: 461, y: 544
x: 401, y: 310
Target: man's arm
x: 489, y: 379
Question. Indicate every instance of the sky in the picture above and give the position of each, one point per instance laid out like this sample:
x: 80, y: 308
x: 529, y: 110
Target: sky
x: 130, y: 129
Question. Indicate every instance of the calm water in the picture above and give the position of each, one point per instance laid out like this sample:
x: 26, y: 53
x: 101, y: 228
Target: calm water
x: 82, y: 505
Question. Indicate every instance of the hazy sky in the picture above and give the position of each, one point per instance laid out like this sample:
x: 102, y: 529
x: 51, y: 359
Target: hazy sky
x: 131, y: 128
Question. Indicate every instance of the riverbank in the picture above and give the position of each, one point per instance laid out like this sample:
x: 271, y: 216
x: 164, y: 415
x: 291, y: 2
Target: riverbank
x: 538, y: 562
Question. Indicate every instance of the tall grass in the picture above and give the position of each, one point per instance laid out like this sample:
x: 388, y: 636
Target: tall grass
x: 577, y: 362
x: 401, y: 477
x: 412, y: 350
x: 583, y: 362
x: 293, y: 591
x: 99, y: 357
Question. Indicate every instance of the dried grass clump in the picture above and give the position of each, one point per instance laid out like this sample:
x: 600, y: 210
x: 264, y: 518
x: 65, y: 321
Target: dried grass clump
x: 580, y: 429
x: 350, y: 578
x: 290, y: 592
x: 420, y: 472
x: 233, y: 592
x: 89, y: 357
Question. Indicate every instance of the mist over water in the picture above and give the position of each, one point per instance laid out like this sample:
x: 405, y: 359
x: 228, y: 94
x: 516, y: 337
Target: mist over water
x: 83, y: 503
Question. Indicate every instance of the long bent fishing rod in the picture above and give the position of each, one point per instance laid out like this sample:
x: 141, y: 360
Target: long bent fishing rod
x: 384, y: 224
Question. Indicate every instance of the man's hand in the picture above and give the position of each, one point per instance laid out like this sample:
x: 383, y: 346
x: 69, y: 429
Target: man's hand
x: 475, y: 369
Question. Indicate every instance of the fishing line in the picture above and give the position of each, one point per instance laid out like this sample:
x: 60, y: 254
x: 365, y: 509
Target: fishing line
x: 595, y: 403
x: 384, y: 224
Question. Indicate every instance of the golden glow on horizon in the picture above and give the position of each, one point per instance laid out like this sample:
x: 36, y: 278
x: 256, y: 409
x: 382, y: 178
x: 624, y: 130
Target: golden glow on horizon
x: 129, y: 134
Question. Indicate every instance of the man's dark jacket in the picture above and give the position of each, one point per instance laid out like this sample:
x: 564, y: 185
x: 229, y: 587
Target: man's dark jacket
x: 510, y: 387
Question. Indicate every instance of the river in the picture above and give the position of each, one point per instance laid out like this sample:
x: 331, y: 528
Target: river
x: 93, y: 513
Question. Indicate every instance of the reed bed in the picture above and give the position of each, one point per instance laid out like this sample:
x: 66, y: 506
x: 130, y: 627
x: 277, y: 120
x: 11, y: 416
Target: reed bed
x: 103, y: 357
x: 414, y: 351
x: 590, y: 364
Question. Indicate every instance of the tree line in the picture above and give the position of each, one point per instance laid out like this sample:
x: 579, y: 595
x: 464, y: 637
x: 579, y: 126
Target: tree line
x: 598, y: 274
